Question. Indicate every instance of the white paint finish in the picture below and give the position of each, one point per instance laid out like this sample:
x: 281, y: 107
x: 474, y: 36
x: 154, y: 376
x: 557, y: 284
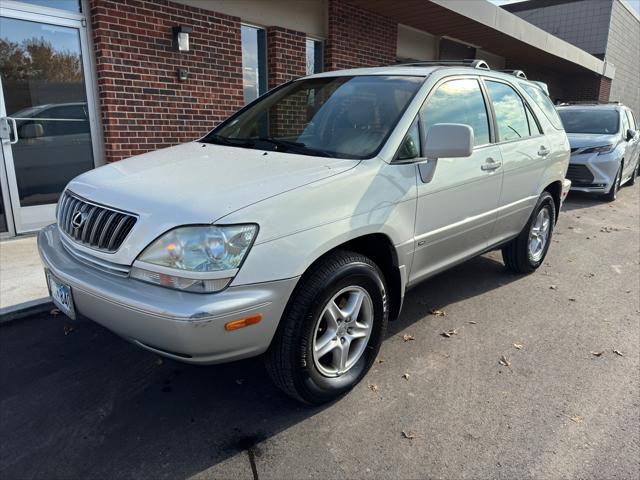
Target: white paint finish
x: 415, y: 44
x: 307, y: 16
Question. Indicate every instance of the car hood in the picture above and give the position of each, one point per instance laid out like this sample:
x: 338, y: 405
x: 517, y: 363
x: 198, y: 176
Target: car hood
x: 196, y: 183
x: 580, y: 140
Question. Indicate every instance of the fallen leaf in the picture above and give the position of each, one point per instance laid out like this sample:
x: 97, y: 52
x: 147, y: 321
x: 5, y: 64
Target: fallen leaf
x: 576, y: 418
x: 408, y: 435
x: 438, y: 313
x: 68, y: 329
x: 590, y: 275
x: 405, y: 376
x: 518, y: 346
x: 159, y: 361
x: 408, y: 338
x: 373, y: 387
x: 618, y: 352
x: 472, y: 322
x: 449, y: 333
x: 381, y: 360
x: 552, y: 287
x: 597, y: 354
x: 55, y: 312
x: 572, y: 299
x: 504, y: 361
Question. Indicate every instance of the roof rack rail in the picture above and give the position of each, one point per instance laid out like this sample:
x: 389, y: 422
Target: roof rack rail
x: 515, y: 73
x: 471, y: 62
x: 588, y: 102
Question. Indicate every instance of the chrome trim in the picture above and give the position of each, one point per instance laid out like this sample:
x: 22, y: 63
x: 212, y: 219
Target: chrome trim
x: 176, y: 272
x: 102, y: 265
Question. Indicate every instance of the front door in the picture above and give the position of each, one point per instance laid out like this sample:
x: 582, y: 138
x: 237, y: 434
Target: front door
x: 457, y: 197
x: 46, y: 118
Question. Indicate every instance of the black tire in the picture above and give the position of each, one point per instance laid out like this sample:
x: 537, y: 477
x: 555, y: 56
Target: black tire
x: 289, y: 360
x: 516, y: 254
x: 613, y: 191
x: 634, y: 175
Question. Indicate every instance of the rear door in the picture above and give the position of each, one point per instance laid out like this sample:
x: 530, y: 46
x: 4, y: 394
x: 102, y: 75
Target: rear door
x: 457, y: 197
x: 525, y: 153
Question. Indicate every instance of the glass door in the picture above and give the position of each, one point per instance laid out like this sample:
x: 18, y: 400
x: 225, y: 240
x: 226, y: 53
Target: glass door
x: 46, y: 117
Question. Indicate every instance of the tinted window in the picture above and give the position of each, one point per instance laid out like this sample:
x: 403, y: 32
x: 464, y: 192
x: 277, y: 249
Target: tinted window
x: 511, y: 115
x: 534, y: 128
x: 544, y: 102
x: 333, y: 116
x: 632, y: 121
x: 459, y: 101
x: 590, y: 121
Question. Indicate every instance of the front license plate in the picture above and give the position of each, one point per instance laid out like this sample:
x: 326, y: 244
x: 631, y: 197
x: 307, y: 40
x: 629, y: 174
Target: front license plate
x: 61, y: 296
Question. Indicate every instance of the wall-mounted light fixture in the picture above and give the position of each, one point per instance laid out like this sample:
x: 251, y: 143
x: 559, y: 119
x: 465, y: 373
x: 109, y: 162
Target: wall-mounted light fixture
x: 181, y: 38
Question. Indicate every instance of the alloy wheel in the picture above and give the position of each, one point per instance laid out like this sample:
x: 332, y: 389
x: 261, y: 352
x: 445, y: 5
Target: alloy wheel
x: 539, y: 234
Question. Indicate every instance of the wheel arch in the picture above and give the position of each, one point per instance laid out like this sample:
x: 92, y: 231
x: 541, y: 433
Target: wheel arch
x: 555, y: 190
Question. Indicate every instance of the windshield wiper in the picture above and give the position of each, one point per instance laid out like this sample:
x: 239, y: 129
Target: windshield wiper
x: 291, y: 146
x: 233, y: 142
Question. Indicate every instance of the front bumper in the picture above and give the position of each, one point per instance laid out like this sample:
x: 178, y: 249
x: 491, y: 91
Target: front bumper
x: 184, y: 326
x: 593, y: 172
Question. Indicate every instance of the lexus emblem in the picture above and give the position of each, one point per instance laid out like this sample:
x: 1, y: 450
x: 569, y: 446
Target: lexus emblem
x: 78, y: 219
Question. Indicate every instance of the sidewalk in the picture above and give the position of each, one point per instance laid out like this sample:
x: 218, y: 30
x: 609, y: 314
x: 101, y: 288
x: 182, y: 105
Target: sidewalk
x: 22, y: 282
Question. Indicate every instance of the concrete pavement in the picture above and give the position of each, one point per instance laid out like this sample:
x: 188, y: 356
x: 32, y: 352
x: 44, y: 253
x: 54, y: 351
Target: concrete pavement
x: 79, y: 402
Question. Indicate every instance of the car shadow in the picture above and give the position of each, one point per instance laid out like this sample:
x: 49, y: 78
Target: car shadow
x: 580, y: 200
x: 78, y: 401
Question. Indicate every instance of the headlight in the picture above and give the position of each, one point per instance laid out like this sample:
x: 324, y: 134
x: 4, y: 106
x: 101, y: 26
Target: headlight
x: 196, y: 259
x: 599, y: 150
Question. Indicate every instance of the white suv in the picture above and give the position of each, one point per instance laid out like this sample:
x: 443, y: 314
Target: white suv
x: 296, y: 226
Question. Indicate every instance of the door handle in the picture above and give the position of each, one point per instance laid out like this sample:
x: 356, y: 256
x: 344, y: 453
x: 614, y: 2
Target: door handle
x: 5, y: 130
x: 490, y: 165
x: 544, y: 151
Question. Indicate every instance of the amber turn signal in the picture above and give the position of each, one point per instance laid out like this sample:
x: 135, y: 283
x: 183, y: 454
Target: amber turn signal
x: 243, y: 322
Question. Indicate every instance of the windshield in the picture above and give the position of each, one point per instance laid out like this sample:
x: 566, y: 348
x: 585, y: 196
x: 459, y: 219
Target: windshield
x: 590, y: 121
x: 346, y: 117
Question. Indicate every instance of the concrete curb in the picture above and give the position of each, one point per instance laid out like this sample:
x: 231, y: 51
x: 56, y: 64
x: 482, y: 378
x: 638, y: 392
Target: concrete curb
x: 21, y: 310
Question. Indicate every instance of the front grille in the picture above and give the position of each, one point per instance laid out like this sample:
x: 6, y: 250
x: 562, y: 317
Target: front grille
x: 579, y: 174
x: 96, y: 226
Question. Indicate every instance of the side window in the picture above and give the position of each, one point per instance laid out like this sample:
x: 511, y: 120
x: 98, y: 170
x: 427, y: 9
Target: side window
x: 545, y: 104
x: 458, y: 101
x: 534, y: 128
x: 410, y: 147
x: 625, y: 124
x: 511, y: 115
x: 632, y: 121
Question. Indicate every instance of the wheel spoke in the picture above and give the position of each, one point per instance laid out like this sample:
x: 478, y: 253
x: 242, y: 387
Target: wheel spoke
x: 341, y: 356
x: 333, y: 315
x: 325, y: 344
x: 359, y: 331
x: 352, y: 310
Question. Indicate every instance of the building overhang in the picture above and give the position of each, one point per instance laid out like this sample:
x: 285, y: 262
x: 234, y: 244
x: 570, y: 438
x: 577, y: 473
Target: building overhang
x: 489, y: 27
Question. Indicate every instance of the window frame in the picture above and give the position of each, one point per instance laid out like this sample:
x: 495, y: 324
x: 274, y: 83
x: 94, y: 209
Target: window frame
x: 449, y: 78
x: 498, y: 141
x: 263, y: 60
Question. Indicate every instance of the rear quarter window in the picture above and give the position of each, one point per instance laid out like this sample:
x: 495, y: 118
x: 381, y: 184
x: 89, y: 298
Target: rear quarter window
x: 544, y: 102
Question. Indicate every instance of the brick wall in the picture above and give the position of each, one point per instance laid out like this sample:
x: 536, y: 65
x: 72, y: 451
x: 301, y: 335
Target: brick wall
x: 358, y: 38
x: 286, y: 55
x: 143, y: 105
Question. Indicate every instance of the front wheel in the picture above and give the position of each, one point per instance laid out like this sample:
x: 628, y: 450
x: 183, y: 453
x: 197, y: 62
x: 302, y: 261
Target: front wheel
x: 526, y: 252
x: 613, y: 191
x: 634, y: 175
x: 331, y: 330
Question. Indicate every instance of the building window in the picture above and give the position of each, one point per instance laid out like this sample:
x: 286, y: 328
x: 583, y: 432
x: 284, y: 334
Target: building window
x: 254, y: 62
x: 314, y: 56
x: 71, y: 5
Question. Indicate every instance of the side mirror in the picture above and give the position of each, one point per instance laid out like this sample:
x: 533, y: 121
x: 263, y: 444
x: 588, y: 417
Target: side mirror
x: 449, y: 140
x: 630, y: 134
x: 31, y: 130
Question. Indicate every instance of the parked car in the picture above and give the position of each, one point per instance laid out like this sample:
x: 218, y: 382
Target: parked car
x: 296, y: 226
x: 605, y: 147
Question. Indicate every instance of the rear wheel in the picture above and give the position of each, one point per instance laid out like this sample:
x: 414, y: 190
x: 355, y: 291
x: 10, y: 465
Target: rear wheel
x: 526, y: 252
x: 332, y: 330
x: 613, y: 191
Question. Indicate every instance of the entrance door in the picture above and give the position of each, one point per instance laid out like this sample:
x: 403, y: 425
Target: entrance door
x: 46, y: 117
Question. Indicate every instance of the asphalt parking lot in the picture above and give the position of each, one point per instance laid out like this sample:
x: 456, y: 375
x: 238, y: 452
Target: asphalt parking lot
x: 78, y: 402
